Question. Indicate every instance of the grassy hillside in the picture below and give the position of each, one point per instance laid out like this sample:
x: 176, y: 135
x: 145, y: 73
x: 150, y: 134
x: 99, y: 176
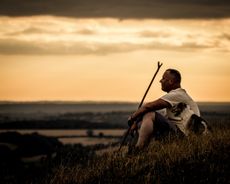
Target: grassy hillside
x: 193, y: 160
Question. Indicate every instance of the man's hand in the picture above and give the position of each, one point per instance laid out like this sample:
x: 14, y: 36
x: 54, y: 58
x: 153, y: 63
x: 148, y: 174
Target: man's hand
x: 133, y: 127
x: 130, y: 121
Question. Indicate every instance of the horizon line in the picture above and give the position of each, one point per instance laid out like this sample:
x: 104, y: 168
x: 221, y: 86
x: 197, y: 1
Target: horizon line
x: 84, y: 101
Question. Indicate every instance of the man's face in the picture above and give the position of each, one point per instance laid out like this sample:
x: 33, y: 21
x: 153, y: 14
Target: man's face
x: 166, y: 82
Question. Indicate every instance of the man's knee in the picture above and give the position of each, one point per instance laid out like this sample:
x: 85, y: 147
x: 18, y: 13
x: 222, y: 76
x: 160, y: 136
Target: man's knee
x: 150, y: 116
x: 148, y: 121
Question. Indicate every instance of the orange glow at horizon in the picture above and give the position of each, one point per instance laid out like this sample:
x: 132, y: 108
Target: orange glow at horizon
x: 70, y: 78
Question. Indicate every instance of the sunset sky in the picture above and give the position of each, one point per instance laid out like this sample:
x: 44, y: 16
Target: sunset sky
x: 107, y: 50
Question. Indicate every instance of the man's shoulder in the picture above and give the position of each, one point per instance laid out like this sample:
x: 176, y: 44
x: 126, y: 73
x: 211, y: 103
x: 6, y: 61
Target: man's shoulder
x: 177, y: 95
x: 176, y: 92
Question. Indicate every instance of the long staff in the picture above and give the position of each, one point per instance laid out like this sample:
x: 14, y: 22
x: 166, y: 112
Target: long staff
x: 134, y: 125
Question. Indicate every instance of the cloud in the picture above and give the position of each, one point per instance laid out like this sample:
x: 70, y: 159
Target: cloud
x: 149, y: 34
x: 86, y: 48
x: 225, y: 36
x: 11, y: 46
x: 36, y: 35
x: 118, y: 9
x: 86, y: 31
x: 27, y: 31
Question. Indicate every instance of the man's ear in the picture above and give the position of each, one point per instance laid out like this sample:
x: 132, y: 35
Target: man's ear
x: 171, y: 81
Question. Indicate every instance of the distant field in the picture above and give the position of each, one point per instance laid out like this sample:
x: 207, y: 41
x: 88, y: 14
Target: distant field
x: 76, y: 136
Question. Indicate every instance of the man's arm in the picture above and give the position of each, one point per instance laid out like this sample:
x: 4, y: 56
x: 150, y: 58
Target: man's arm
x: 148, y: 107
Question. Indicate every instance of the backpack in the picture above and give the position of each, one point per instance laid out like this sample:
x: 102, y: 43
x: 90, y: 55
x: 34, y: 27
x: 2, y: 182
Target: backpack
x: 198, y: 125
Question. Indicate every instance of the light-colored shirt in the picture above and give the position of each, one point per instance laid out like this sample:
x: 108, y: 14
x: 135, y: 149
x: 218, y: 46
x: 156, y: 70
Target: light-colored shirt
x: 182, y: 107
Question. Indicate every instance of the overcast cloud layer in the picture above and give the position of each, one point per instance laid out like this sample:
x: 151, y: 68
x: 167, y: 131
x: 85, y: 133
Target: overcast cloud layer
x: 118, y: 8
x: 52, y: 35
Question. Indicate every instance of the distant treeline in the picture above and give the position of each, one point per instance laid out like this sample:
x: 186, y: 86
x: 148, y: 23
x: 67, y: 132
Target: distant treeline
x: 107, y: 120
x: 58, y: 124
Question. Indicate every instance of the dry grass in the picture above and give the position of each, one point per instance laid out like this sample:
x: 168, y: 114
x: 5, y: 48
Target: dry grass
x: 203, y: 159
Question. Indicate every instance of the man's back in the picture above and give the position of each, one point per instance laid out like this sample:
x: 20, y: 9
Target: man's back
x: 182, y: 107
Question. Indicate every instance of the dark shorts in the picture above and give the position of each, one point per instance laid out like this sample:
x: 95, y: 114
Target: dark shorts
x: 163, y: 127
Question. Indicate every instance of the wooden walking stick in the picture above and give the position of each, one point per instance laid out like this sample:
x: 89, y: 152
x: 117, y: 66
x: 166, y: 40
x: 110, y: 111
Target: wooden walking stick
x: 134, y: 125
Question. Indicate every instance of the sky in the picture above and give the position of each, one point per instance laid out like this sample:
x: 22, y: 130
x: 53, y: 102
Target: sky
x: 107, y: 50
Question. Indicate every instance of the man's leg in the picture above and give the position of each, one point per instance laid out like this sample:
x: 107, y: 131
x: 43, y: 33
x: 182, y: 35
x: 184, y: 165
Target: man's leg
x: 146, y: 129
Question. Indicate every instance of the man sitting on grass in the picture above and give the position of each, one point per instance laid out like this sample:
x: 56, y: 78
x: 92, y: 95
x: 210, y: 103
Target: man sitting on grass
x: 179, y: 108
